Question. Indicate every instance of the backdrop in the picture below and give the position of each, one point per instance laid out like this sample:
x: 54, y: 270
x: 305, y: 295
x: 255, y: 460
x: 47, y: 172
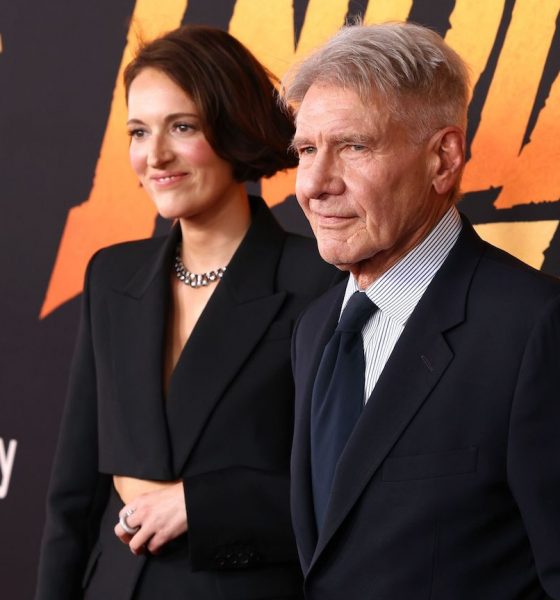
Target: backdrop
x: 67, y: 189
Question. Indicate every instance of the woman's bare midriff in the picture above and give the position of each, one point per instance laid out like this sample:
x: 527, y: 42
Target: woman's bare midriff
x: 130, y: 488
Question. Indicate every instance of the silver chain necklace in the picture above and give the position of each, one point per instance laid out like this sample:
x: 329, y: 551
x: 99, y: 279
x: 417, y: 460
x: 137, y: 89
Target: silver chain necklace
x: 195, y: 280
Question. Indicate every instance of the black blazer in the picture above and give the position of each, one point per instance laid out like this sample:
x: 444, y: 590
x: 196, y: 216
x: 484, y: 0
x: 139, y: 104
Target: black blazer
x: 225, y: 427
x: 449, y: 487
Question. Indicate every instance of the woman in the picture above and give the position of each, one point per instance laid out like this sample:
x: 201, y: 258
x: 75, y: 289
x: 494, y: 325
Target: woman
x: 171, y: 473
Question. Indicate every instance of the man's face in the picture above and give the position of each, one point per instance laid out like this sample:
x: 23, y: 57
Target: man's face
x: 365, y: 187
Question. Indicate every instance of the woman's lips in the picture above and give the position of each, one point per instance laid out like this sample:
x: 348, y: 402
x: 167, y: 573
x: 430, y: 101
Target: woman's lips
x: 168, y: 179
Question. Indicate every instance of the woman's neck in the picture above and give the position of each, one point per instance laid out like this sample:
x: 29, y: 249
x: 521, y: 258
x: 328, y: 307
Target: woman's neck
x: 210, y: 242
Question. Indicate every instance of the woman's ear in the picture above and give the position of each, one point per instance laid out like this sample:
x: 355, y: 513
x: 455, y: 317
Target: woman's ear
x: 449, y: 147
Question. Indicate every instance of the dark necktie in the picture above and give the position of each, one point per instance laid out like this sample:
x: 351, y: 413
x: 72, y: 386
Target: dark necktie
x: 338, y: 397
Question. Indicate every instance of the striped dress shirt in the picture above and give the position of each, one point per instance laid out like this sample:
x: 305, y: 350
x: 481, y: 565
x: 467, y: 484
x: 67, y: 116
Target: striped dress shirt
x: 397, y: 292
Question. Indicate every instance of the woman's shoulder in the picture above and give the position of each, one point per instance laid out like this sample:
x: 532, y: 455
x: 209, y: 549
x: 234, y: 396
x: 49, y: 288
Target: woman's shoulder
x: 117, y: 263
x: 132, y: 250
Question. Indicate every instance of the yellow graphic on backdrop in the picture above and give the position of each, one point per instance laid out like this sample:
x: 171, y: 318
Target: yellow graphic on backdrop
x: 117, y: 209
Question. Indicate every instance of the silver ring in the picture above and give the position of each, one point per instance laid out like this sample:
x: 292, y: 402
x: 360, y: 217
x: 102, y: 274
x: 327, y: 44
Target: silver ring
x: 124, y: 524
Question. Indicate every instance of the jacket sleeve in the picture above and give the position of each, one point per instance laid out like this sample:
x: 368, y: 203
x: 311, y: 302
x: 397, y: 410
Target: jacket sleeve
x: 534, y: 446
x: 75, y: 485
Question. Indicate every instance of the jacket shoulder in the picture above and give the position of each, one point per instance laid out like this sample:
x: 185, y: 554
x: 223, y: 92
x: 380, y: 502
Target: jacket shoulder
x: 323, y: 304
x: 505, y: 275
x: 116, y: 264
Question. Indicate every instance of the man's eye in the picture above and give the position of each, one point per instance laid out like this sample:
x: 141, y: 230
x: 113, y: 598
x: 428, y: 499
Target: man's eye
x: 306, y: 150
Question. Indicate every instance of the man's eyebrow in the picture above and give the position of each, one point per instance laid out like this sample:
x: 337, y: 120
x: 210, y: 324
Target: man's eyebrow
x: 297, y: 142
x: 354, y: 138
x: 337, y: 140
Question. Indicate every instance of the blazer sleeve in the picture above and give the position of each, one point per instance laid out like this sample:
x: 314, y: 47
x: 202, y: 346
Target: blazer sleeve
x: 75, y: 484
x: 534, y: 446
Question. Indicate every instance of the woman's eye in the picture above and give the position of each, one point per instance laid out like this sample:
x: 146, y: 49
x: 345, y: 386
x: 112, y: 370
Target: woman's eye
x: 183, y: 127
x: 137, y: 133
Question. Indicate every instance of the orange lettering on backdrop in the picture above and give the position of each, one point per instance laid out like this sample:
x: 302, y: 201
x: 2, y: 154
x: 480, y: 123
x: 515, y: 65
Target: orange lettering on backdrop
x: 531, y: 176
x: 117, y: 209
x: 535, y: 175
x: 473, y: 30
x: 496, y: 159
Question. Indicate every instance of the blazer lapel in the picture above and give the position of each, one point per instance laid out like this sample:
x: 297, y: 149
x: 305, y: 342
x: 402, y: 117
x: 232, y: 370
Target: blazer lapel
x: 138, y: 319
x: 307, y: 363
x: 418, y: 361
x: 233, y: 322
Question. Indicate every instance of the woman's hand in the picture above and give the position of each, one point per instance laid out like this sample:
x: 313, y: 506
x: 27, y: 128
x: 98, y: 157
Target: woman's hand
x: 161, y: 516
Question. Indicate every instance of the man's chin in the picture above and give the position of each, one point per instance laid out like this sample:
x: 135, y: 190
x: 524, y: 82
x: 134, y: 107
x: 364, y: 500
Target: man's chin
x: 339, y: 262
x: 343, y: 266
x: 333, y: 255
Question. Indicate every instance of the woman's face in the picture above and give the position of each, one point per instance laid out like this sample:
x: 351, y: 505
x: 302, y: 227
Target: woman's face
x: 175, y: 163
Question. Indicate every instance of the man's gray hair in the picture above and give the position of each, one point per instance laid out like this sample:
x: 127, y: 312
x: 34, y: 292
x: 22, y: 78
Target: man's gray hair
x: 403, y: 67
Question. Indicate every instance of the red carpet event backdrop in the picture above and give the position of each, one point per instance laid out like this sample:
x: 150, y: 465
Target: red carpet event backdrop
x: 67, y: 188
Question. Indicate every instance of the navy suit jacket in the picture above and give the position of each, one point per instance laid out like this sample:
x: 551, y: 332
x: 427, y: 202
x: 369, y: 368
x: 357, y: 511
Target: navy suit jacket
x: 449, y: 487
x: 225, y: 427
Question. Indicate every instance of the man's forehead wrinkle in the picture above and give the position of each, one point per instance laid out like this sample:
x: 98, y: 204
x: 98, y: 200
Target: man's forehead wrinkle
x: 345, y: 132
x: 345, y: 123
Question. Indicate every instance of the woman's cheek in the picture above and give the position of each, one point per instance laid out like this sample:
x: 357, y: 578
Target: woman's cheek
x: 198, y: 152
x: 137, y: 160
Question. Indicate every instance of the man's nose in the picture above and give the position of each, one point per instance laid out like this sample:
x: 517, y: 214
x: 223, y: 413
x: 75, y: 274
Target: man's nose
x: 320, y: 177
x: 160, y: 152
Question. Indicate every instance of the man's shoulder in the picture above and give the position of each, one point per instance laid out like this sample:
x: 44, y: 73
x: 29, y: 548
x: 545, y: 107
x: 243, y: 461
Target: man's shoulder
x: 330, y: 300
x: 498, y: 277
x: 506, y: 275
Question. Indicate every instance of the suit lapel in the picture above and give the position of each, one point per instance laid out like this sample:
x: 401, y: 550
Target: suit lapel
x: 307, y: 362
x: 416, y: 364
x: 138, y: 320
x: 232, y: 324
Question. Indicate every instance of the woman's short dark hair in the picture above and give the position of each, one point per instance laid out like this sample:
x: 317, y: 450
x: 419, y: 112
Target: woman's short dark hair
x: 238, y: 103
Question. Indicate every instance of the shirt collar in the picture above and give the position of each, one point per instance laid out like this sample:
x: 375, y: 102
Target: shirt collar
x: 397, y: 292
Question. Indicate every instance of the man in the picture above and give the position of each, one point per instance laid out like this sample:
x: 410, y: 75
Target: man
x: 432, y: 470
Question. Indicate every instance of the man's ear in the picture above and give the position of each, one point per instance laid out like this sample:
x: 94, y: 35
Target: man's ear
x: 448, y: 145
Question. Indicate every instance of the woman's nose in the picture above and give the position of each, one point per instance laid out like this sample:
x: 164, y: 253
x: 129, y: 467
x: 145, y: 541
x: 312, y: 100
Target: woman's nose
x: 160, y: 152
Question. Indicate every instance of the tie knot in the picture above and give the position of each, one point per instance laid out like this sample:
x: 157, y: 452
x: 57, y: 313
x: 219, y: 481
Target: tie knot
x: 356, y: 312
